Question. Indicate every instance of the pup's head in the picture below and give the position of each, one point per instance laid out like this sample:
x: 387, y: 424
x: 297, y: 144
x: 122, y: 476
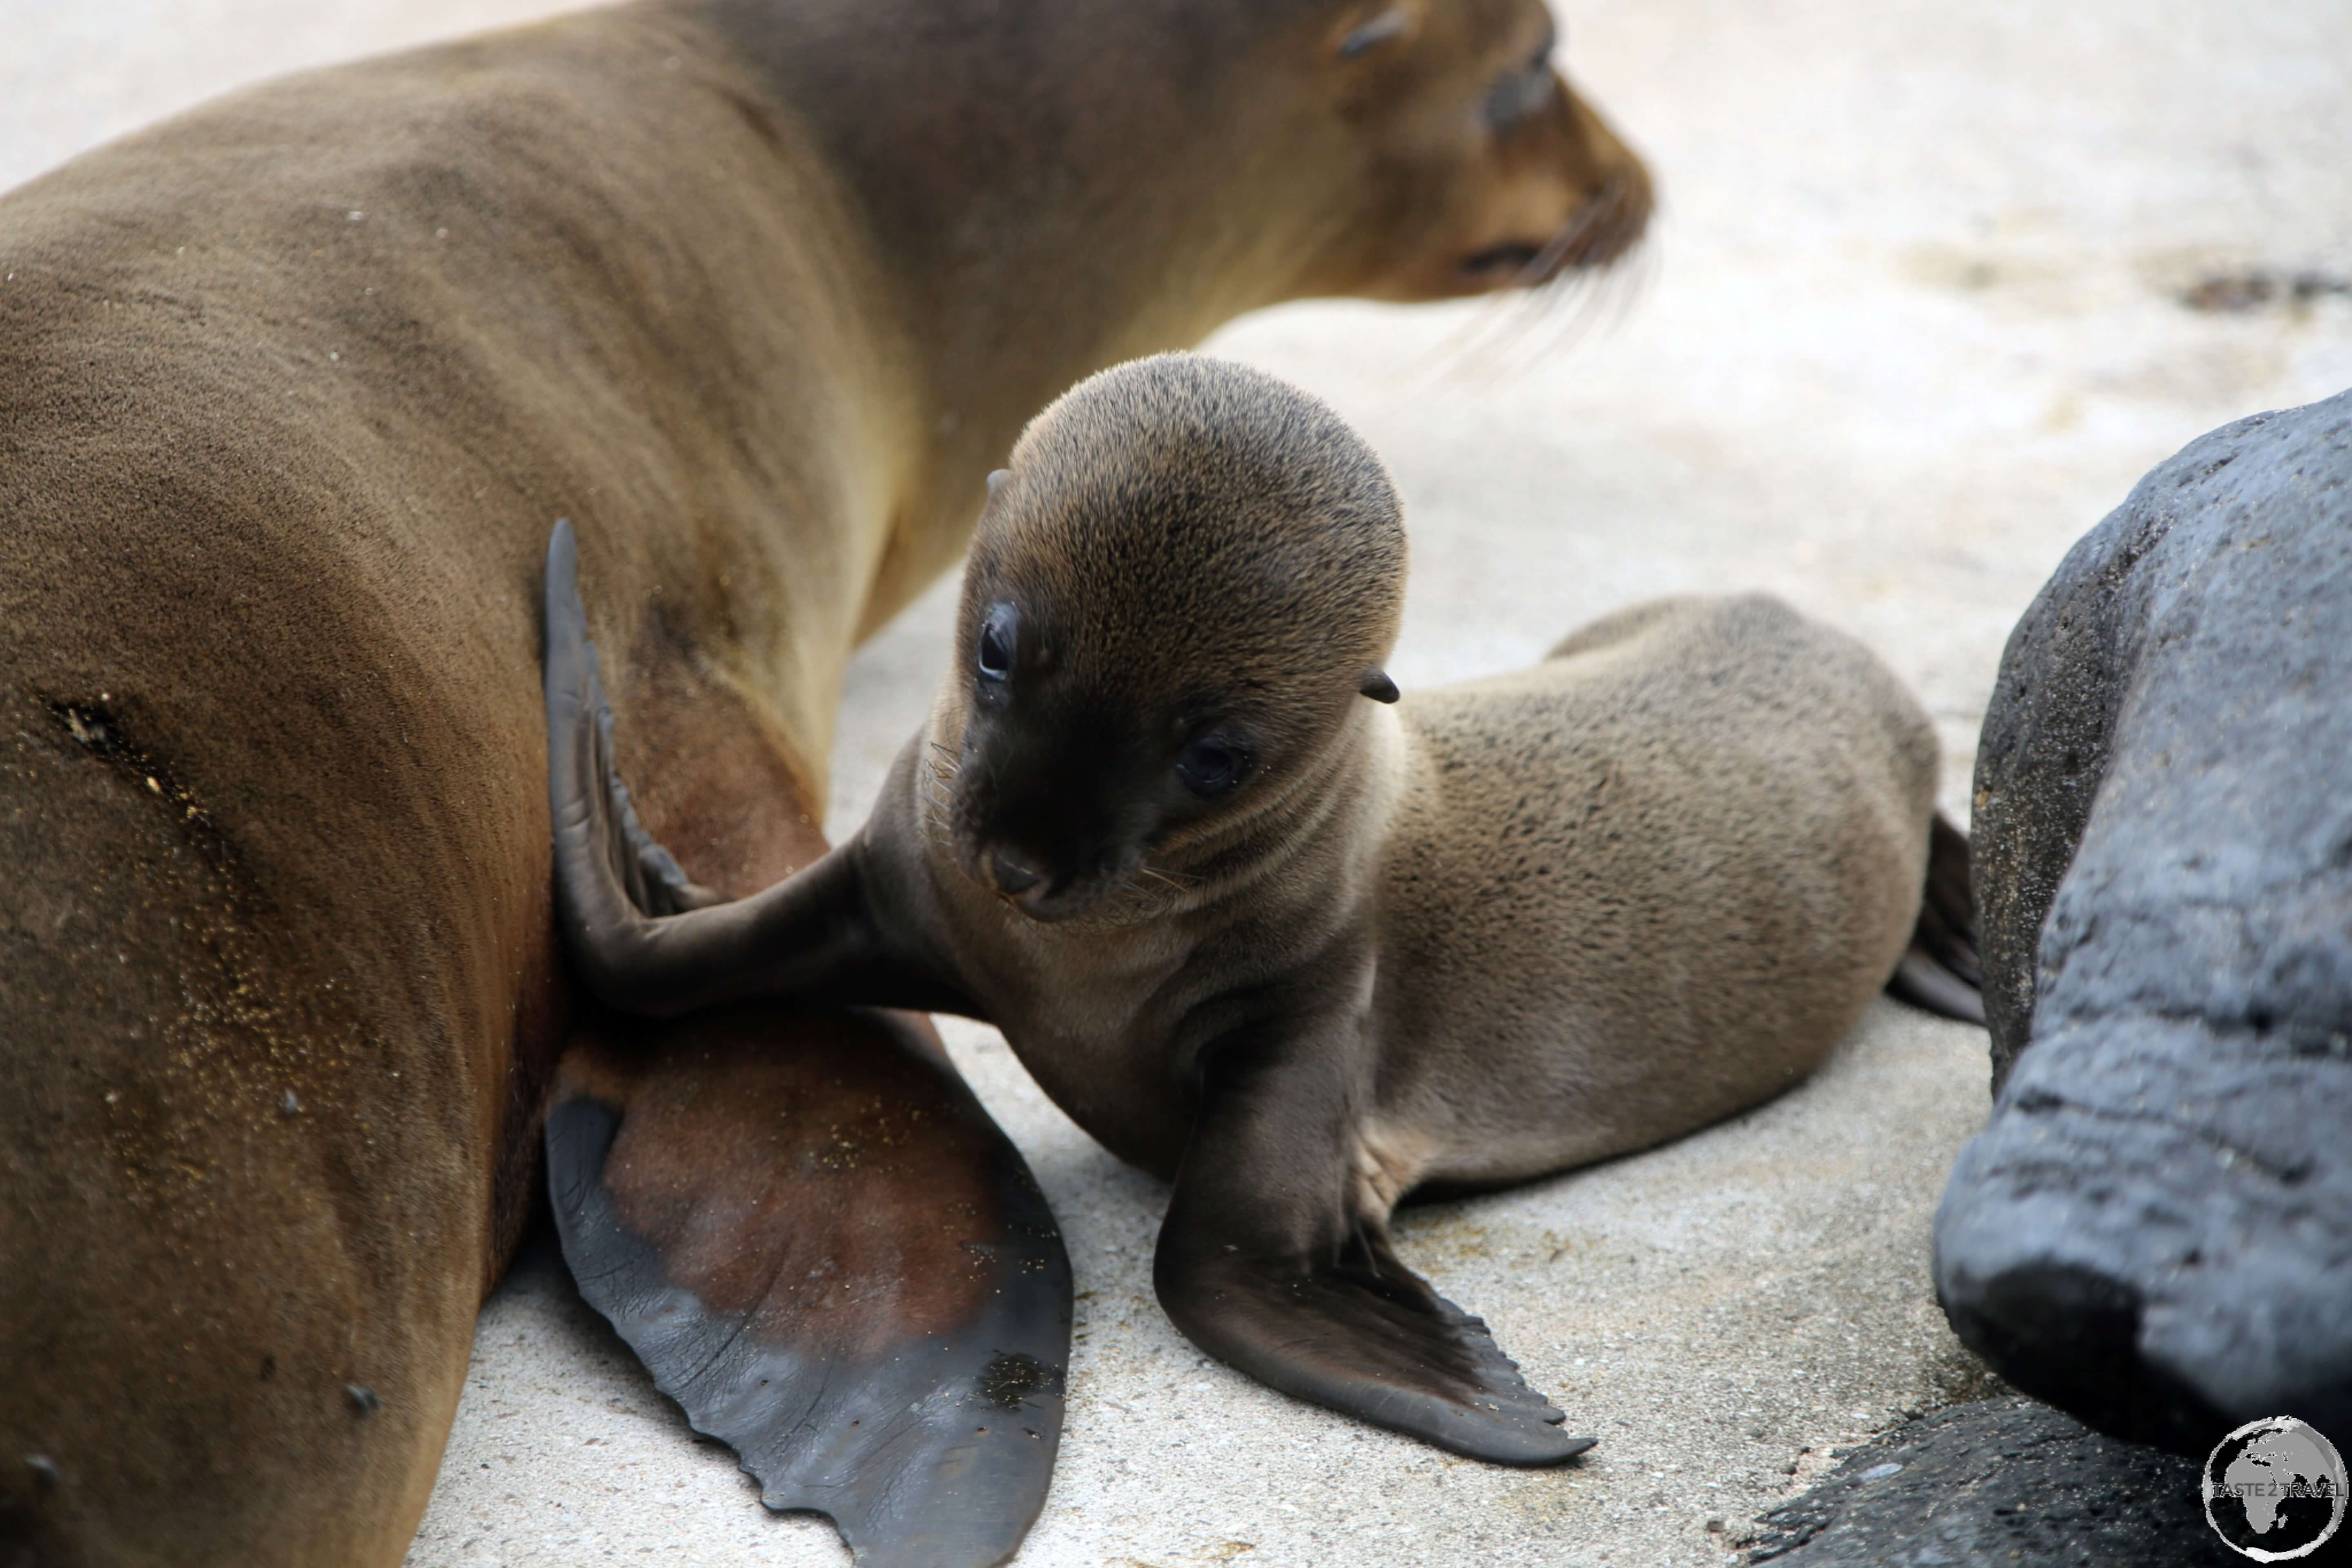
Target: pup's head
x: 1189, y: 576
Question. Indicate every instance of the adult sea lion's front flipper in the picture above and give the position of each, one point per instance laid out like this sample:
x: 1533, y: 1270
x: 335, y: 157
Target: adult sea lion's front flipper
x: 1267, y: 1262
x: 1941, y: 972
x: 823, y: 1248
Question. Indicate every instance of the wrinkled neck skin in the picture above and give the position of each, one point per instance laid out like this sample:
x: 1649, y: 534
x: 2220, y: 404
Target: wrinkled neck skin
x: 1044, y: 208
x: 1219, y: 933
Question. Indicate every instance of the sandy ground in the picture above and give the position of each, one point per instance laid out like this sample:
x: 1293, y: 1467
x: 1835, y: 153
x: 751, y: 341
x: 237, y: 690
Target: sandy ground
x: 1912, y: 322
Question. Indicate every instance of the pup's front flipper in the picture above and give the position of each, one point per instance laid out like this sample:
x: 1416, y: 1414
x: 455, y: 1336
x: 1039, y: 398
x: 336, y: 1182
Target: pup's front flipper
x: 1266, y: 1262
x: 644, y: 938
x: 822, y: 1247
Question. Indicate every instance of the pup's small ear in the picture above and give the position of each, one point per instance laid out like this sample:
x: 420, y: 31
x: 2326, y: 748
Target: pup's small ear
x: 996, y: 480
x: 1378, y: 687
x: 1380, y: 27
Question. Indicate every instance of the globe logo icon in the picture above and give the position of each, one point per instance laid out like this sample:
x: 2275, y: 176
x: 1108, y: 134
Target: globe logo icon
x: 2274, y: 1489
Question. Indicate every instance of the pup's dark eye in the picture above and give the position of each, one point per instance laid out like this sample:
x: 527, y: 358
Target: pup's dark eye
x: 997, y: 635
x: 1212, y: 765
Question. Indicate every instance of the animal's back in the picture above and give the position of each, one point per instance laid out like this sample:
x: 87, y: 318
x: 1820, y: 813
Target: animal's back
x: 1645, y: 883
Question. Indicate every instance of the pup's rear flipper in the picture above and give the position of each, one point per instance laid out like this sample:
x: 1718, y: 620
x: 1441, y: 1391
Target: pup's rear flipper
x: 1940, y: 972
x: 823, y: 1249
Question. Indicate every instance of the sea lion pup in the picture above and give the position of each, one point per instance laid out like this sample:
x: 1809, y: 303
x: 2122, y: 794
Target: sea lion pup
x: 2154, y: 1230
x: 291, y: 387
x: 1300, y: 951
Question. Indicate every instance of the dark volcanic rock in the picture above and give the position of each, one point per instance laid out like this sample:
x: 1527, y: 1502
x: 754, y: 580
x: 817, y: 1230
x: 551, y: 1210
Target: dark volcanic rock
x: 2004, y: 1484
x: 2155, y: 1229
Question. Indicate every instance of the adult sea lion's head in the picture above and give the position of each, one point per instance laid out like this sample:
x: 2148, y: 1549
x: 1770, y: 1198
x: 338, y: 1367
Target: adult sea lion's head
x: 1482, y: 168
x: 1179, y: 592
x: 1046, y: 188
x: 1177, y: 162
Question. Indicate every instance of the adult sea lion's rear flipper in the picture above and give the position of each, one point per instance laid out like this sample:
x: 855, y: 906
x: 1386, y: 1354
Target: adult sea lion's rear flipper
x: 1261, y: 1266
x: 1940, y: 972
x: 823, y: 1248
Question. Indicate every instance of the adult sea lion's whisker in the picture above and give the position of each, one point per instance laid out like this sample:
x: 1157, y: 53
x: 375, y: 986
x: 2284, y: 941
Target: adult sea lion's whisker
x: 1566, y: 313
x: 1544, y: 266
x: 1503, y: 337
x: 1581, y: 304
x: 1475, y: 351
x: 1500, y: 318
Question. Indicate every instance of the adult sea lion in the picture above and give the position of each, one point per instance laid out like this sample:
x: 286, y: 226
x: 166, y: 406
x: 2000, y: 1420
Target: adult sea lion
x: 291, y: 390
x: 1300, y: 952
x: 2155, y: 1229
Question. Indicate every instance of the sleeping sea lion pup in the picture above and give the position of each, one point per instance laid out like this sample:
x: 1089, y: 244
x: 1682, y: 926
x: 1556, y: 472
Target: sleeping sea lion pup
x: 1300, y: 952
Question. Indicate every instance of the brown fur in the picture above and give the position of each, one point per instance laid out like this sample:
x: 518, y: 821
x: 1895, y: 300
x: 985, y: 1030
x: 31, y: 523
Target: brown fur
x: 295, y: 385
x: 1693, y: 839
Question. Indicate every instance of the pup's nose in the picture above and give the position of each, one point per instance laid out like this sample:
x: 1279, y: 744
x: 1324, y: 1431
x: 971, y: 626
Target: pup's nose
x: 1013, y: 874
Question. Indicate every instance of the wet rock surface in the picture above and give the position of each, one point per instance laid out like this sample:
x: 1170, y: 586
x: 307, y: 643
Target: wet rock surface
x: 2007, y: 1483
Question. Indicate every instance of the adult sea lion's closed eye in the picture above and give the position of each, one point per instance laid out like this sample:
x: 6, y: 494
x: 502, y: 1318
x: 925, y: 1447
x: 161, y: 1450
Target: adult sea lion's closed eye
x: 1369, y: 35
